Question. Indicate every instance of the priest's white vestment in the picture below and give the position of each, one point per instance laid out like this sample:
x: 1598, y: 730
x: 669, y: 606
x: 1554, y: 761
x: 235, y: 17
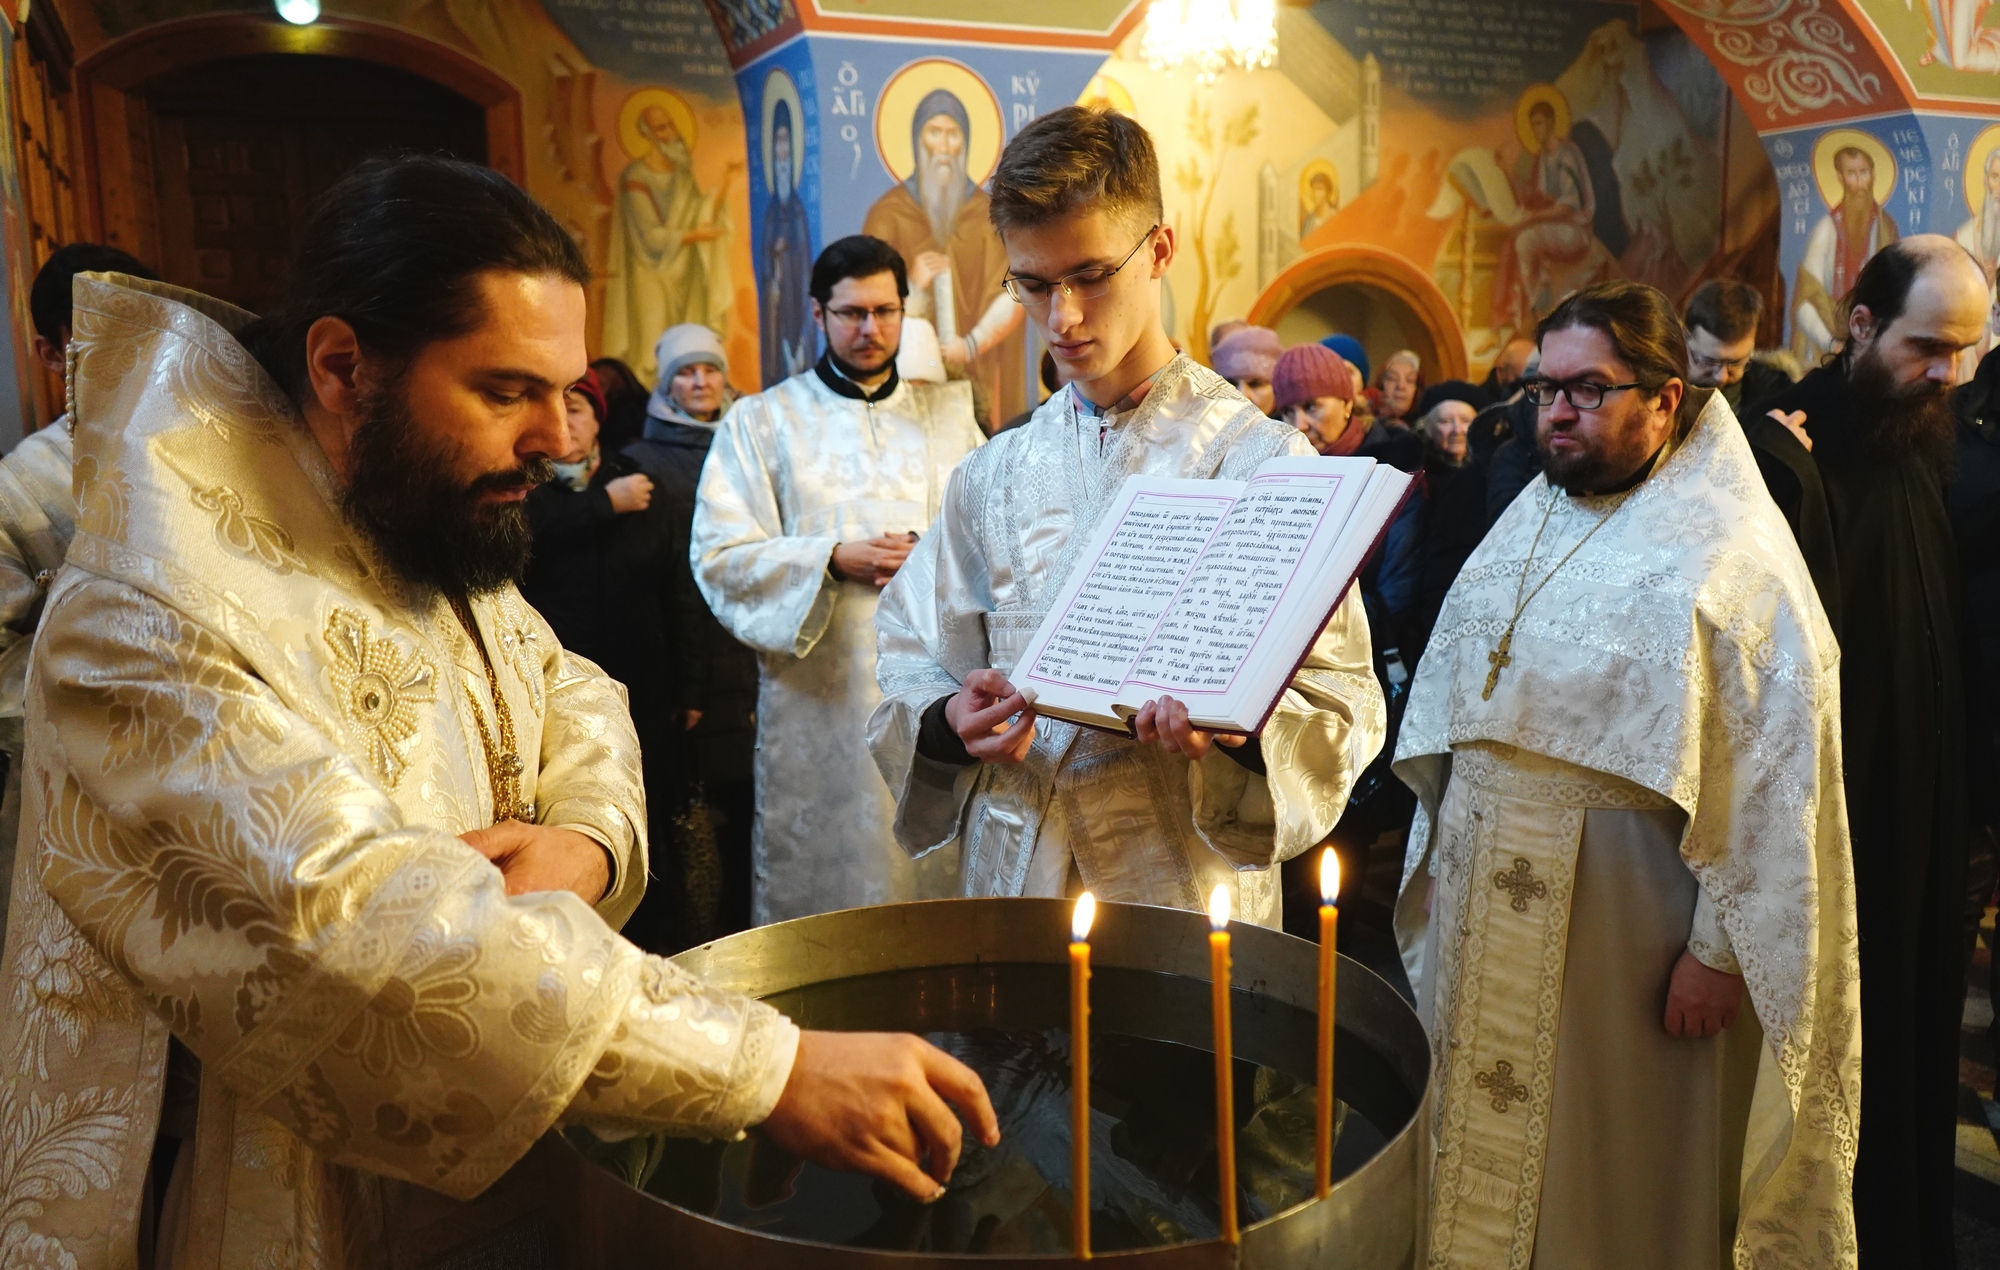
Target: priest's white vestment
x: 795, y: 471
x: 243, y: 917
x: 1088, y: 808
x: 1656, y: 769
x: 37, y: 517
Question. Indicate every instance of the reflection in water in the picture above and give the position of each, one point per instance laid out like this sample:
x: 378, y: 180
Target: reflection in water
x: 1153, y: 1173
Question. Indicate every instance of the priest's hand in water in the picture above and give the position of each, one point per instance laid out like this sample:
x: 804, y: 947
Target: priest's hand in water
x: 873, y: 561
x: 542, y: 858
x: 1165, y: 723
x: 1701, y: 1000
x: 996, y: 723
x: 881, y: 1103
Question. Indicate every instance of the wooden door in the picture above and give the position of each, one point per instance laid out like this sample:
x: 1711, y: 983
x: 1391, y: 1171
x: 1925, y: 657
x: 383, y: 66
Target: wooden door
x: 44, y: 142
x: 243, y: 150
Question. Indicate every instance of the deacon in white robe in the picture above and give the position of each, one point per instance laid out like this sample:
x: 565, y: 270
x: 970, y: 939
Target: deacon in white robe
x: 796, y: 471
x: 1647, y: 765
x: 1087, y: 809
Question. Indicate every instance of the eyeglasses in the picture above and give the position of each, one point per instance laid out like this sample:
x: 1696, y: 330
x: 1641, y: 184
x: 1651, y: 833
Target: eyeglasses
x: 884, y: 316
x: 1084, y: 284
x: 1712, y: 365
x: 1582, y: 393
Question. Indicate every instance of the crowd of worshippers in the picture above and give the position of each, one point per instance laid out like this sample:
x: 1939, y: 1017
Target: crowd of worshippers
x: 1676, y: 655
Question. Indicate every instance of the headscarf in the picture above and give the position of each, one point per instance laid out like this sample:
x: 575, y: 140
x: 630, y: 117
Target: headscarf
x: 593, y: 392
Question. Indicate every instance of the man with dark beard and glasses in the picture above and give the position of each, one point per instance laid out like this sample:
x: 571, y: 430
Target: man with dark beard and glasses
x: 1866, y: 504
x: 1628, y: 903
x: 811, y: 497
x: 333, y: 837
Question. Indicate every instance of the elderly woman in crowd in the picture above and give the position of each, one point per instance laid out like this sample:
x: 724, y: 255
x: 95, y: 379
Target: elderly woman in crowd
x: 712, y: 680
x: 1313, y: 390
x: 1438, y: 528
x: 600, y: 547
x: 1395, y: 394
x: 1248, y: 357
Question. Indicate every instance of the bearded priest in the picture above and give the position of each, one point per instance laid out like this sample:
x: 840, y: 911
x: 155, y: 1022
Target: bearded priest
x: 329, y: 837
x: 1045, y: 807
x: 1858, y: 456
x: 1625, y: 742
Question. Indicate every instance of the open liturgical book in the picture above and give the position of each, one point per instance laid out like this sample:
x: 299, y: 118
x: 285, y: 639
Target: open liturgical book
x: 1210, y: 592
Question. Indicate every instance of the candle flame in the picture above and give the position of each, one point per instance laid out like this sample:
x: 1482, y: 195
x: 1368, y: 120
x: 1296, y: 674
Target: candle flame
x: 1329, y: 877
x: 1079, y: 922
x: 1218, y: 906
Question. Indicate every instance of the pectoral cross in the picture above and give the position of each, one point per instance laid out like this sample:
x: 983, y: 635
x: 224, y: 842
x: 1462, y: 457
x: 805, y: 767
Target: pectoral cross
x: 1500, y: 658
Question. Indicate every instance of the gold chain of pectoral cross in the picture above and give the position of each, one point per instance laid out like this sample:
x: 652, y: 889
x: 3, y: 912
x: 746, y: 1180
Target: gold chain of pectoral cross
x: 1502, y: 655
x: 503, y: 761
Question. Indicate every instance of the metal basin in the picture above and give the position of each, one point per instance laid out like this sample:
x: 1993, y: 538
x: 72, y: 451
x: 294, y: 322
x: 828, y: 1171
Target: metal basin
x: 988, y: 976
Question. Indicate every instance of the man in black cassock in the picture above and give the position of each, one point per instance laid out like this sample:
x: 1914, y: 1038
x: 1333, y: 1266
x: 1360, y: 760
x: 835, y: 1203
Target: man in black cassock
x: 1862, y: 486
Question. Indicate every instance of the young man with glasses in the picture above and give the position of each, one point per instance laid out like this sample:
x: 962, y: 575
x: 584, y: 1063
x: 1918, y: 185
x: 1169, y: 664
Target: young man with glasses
x: 812, y: 495
x: 1624, y: 741
x: 1721, y: 323
x: 1042, y: 806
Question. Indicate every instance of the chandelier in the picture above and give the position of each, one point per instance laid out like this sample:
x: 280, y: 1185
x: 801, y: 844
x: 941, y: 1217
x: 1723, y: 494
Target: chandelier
x: 1211, y: 35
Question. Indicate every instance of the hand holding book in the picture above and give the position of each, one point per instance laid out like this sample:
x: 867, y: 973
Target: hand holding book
x: 1165, y: 723
x: 983, y: 713
x: 996, y: 724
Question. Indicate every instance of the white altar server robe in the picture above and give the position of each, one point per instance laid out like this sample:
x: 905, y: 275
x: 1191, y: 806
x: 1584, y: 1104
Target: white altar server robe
x: 1088, y: 808
x: 796, y: 471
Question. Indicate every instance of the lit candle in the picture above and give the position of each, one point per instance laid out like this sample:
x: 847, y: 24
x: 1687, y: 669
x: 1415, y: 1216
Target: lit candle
x: 1079, y: 1071
x: 1225, y: 1083
x: 1329, y: 925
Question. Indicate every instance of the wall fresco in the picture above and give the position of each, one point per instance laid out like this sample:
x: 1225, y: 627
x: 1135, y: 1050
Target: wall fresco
x: 1507, y: 150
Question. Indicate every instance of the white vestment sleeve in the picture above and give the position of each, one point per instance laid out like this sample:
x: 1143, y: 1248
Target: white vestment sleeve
x: 771, y: 590
x: 1707, y: 940
x: 341, y: 970
x: 929, y: 634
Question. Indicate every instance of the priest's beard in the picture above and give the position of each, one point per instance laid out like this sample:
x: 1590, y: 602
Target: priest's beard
x: 1893, y: 421
x: 1619, y: 462
x: 427, y: 521
x: 941, y: 181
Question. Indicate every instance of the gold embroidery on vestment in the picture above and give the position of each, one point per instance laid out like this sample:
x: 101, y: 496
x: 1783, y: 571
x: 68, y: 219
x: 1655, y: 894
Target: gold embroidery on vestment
x: 379, y: 685
x: 1501, y: 1084
x: 1521, y: 884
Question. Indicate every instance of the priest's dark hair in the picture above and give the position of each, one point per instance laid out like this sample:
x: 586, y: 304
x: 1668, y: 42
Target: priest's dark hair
x: 1072, y: 159
x: 394, y: 248
x: 1726, y: 308
x: 856, y: 256
x: 1640, y: 322
x: 1883, y: 285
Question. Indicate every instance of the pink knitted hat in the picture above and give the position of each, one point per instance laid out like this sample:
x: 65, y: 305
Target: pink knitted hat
x: 1250, y: 352
x: 1307, y: 371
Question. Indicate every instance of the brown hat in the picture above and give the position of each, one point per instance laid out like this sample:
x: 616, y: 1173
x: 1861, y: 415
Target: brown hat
x: 1307, y: 371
